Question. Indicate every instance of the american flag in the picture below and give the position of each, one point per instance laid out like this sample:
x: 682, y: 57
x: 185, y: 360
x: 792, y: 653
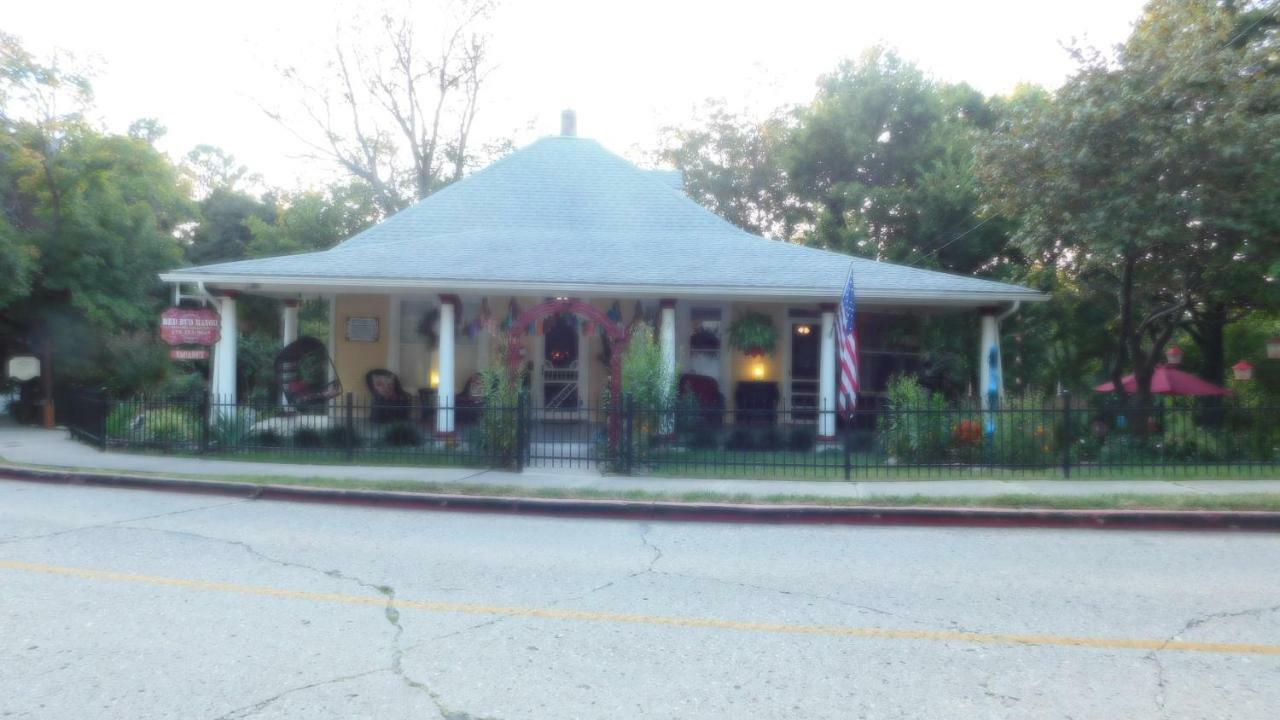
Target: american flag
x: 847, y: 395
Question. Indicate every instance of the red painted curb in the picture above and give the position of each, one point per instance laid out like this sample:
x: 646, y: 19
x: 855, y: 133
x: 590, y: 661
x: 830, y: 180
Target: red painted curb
x: 1216, y: 520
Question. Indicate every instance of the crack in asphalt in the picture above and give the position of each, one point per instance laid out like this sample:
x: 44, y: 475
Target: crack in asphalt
x: 118, y: 523
x: 247, y: 710
x: 1162, y: 680
x: 657, y: 556
x: 389, y: 611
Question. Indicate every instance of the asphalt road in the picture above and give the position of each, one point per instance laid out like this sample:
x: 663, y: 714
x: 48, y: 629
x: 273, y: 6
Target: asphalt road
x: 131, y: 604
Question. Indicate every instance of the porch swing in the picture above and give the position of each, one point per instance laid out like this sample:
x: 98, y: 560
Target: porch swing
x: 302, y: 369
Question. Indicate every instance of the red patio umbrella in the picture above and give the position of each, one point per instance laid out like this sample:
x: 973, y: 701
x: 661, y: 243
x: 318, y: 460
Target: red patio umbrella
x: 1168, y: 381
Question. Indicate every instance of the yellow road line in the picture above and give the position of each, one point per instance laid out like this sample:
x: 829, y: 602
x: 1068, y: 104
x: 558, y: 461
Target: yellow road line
x: 691, y: 622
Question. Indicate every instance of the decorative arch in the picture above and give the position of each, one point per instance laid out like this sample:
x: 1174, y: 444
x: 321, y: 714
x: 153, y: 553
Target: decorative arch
x: 617, y: 336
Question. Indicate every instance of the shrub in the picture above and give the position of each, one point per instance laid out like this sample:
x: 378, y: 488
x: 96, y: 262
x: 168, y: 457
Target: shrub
x: 402, y: 434
x: 308, y: 438
x: 740, y: 438
x: 916, y: 430
x: 122, y: 420
x: 704, y: 437
x: 267, y: 438
x: 229, y: 427
x: 768, y: 438
x: 498, y: 433
x: 801, y: 438
x: 339, y: 436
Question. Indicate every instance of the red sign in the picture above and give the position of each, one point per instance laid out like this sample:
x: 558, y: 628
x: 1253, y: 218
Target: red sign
x: 188, y: 354
x: 185, y: 326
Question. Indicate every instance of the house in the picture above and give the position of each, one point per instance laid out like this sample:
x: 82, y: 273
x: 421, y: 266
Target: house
x: 422, y: 292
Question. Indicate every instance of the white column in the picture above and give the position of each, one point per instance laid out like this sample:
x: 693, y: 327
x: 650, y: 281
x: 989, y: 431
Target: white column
x: 289, y: 322
x: 223, y: 384
x: 667, y: 341
x: 288, y: 332
x: 444, y: 393
x: 827, y: 375
x: 667, y: 335
x: 990, y: 375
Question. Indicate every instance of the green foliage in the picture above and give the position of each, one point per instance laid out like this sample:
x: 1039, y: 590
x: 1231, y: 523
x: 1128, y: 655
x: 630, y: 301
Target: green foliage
x: 266, y: 438
x: 134, y: 362
x: 121, y: 420
x: 753, y: 333
x: 646, y: 380
x: 733, y: 165
x: 308, y: 438
x: 801, y: 438
x: 402, y: 434
x: 917, y: 428
x: 1149, y: 180
x: 884, y: 158
x: 229, y: 427
x: 499, y: 429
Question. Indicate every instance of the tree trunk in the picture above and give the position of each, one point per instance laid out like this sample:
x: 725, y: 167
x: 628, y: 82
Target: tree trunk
x: 1210, y: 337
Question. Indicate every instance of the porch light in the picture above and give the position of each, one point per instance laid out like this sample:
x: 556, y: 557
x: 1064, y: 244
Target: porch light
x: 435, y: 378
x: 757, y: 369
x: 1173, y: 355
x: 1273, y: 348
x: 803, y: 329
x: 1242, y: 370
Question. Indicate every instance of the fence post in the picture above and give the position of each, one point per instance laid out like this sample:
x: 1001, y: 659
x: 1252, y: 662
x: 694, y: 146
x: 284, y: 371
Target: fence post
x: 628, y: 434
x: 520, y: 431
x: 205, y: 409
x: 1066, y: 434
x: 848, y: 451
x: 350, y: 425
x: 103, y: 411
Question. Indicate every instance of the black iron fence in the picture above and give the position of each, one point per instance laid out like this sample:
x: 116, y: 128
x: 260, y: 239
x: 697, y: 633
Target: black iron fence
x: 1050, y: 438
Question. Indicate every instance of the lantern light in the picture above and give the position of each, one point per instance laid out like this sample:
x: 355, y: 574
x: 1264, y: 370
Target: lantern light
x: 1173, y: 355
x: 1273, y: 348
x: 435, y: 378
x: 757, y: 369
x: 1242, y: 370
x: 803, y: 329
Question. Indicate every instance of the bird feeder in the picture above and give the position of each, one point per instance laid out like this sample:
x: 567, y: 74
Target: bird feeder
x: 1242, y: 370
x: 1173, y: 355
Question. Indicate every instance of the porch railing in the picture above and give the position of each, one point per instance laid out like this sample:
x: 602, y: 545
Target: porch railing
x: 1055, y: 438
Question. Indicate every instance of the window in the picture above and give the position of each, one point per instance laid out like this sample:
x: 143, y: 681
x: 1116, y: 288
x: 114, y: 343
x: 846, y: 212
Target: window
x: 705, y: 342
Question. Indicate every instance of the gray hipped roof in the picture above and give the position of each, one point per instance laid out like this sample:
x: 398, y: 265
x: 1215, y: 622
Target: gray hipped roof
x: 566, y: 216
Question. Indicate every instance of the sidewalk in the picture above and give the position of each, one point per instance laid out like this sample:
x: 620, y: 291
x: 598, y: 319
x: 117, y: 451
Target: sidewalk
x: 55, y: 449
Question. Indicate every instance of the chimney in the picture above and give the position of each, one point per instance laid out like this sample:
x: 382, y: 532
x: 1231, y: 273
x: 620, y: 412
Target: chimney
x: 568, y: 123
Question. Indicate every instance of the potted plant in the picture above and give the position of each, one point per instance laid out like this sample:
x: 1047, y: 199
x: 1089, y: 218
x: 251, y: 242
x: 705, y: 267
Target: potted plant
x: 753, y: 334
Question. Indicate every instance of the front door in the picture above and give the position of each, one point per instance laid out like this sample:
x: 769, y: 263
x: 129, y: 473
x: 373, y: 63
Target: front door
x: 562, y: 366
x: 805, y: 345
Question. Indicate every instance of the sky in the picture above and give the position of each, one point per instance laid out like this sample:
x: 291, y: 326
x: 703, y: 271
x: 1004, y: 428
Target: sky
x: 206, y: 69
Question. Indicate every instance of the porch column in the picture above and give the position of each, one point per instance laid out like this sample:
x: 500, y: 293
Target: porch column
x: 667, y: 334
x: 288, y: 332
x: 445, y: 390
x: 289, y: 322
x: 667, y: 341
x: 990, y: 375
x: 223, y: 383
x: 827, y: 374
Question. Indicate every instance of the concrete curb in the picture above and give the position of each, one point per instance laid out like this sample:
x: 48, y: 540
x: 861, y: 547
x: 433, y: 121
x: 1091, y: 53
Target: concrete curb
x: 1216, y: 520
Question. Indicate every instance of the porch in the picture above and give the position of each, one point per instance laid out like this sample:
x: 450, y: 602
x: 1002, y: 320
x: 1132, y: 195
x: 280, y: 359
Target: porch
x: 436, y: 345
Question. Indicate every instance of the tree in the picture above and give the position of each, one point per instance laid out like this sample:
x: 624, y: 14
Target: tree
x: 313, y: 220
x: 90, y: 216
x: 883, y: 158
x: 393, y: 111
x: 732, y: 165
x: 1150, y: 179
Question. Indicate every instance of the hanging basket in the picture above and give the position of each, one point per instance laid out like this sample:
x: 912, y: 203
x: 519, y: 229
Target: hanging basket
x: 753, y: 334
